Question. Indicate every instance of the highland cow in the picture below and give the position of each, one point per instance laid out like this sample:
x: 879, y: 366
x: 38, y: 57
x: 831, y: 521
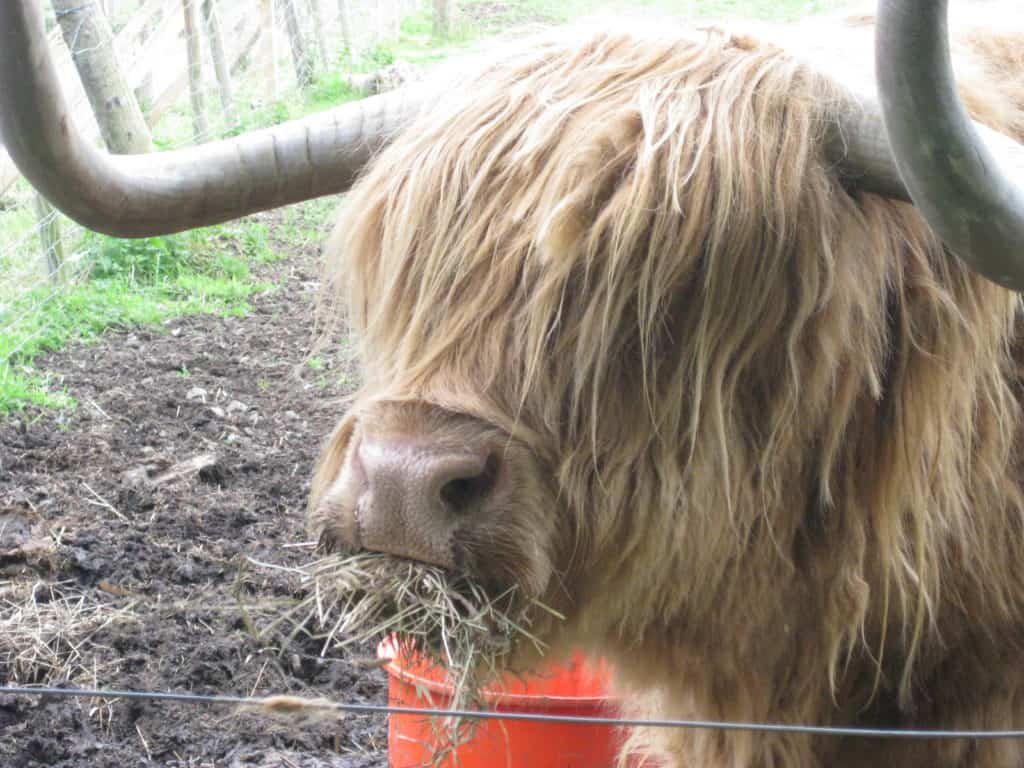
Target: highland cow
x: 631, y: 343
x: 649, y: 332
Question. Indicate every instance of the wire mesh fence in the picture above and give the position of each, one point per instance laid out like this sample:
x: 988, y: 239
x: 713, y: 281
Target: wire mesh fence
x: 199, y: 70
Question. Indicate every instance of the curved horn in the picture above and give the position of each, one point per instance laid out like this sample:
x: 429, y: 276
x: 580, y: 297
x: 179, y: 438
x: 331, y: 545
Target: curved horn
x: 961, y: 176
x: 159, y: 193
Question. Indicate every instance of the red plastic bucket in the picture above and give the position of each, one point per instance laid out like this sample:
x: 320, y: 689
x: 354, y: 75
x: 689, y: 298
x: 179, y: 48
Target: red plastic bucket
x: 576, y: 688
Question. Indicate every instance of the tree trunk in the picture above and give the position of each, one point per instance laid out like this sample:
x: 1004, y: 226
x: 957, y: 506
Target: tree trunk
x: 396, y: 18
x: 303, y: 66
x: 145, y: 91
x: 268, y: 53
x: 50, y: 239
x: 200, y: 128
x: 87, y: 34
x: 443, y: 12
x: 220, y: 62
x: 316, y: 9
x: 345, y: 16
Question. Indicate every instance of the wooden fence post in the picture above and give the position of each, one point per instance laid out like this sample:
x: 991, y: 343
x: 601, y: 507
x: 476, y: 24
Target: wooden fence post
x: 300, y: 56
x: 268, y: 53
x: 200, y: 128
x: 50, y: 239
x: 220, y: 62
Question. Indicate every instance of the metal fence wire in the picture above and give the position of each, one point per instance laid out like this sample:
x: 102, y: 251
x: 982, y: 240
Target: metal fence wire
x: 297, y: 705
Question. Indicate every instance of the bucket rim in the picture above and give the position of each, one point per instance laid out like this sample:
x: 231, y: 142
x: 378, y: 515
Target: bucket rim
x: 387, y: 649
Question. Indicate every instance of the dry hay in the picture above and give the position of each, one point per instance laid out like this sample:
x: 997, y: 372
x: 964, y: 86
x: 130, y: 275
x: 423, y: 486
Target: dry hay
x: 47, y: 633
x: 442, y: 616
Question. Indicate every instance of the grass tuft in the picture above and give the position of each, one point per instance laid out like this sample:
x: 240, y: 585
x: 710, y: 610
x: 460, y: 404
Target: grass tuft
x: 48, y: 636
x: 439, y: 615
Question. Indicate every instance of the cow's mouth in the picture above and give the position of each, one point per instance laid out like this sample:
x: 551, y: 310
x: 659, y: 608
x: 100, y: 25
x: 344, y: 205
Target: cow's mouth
x: 472, y: 631
x: 477, y: 576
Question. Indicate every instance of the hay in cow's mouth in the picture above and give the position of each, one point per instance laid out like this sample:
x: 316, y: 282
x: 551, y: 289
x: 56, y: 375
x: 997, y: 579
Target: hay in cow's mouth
x: 443, y: 616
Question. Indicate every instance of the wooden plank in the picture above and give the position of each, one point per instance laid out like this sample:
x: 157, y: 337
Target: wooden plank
x: 170, y: 95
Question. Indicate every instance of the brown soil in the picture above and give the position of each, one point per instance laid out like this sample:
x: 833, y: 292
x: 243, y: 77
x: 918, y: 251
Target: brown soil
x: 187, y: 458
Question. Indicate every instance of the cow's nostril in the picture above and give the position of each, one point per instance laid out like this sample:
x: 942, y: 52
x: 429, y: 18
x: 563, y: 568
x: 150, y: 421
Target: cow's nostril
x: 462, y: 492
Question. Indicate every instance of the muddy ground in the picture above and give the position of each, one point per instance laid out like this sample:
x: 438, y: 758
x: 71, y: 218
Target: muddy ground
x: 128, y: 531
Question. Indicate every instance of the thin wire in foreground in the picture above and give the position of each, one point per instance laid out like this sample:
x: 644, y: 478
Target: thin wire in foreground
x: 298, y: 705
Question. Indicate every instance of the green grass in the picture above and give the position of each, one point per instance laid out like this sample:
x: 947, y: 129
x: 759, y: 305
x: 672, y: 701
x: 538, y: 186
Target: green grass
x: 131, y: 282
x: 255, y: 240
x: 418, y: 45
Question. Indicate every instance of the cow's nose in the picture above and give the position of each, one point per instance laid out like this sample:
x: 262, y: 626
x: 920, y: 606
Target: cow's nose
x: 422, y: 478
x: 413, y: 496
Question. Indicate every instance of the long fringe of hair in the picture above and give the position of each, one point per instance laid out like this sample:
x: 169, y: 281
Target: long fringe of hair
x: 754, y: 386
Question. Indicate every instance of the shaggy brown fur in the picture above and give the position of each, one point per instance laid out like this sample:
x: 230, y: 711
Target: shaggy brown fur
x: 775, y: 424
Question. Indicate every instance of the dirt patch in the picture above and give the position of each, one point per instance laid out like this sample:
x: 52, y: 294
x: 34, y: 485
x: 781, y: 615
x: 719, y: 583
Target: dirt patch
x: 128, y: 528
